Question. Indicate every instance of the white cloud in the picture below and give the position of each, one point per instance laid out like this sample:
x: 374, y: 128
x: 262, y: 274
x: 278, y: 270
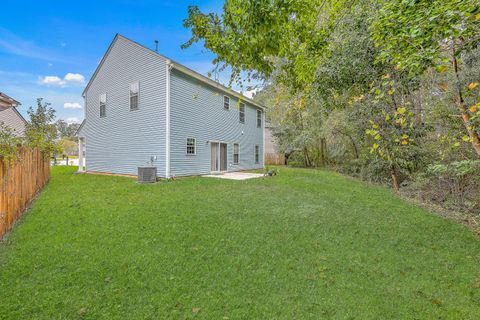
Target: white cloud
x: 52, y: 81
x: 75, y: 77
x: 72, y: 105
x: 70, y: 78
x: 50, y: 64
x: 63, y: 44
x: 72, y: 120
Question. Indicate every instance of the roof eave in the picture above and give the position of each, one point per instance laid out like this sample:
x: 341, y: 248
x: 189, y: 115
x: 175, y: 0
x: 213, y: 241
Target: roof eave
x: 177, y: 66
x: 20, y: 115
x: 80, y: 128
x: 100, y: 64
x: 15, y: 103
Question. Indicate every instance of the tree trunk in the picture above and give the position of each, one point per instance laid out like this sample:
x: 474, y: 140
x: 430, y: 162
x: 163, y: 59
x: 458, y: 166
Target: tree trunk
x: 306, y: 159
x: 323, y: 150
x: 474, y: 137
x: 395, y: 184
x: 355, y: 148
x: 287, y: 155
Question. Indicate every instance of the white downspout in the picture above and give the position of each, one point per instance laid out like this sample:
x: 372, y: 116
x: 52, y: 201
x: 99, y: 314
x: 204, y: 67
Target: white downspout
x: 263, y: 138
x: 167, y: 120
x: 82, y: 165
x: 80, y: 155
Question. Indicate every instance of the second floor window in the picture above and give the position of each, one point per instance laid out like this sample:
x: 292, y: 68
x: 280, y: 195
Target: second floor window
x: 103, y: 105
x: 226, y: 103
x: 236, y: 153
x: 259, y: 118
x: 241, y: 113
x: 134, y: 91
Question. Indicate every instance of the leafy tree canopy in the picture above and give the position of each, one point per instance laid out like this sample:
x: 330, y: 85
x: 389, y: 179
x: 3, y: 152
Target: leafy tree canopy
x: 258, y: 35
x: 41, y: 132
x: 413, y: 34
x: 66, y: 130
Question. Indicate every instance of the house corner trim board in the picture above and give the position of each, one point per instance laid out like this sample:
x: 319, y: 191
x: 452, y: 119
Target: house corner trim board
x: 167, y: 120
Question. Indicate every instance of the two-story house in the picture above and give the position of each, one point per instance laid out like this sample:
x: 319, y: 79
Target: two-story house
x: 142, y: 107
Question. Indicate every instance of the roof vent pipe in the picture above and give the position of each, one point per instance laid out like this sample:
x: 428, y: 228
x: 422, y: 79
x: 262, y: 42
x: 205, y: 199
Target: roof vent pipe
x: 156, y: 45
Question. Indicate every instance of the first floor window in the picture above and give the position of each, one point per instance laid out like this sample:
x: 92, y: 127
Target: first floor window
x: 236, y: 152
x: 134, y: 91
x: 259, y: 118
x: 103, y: 105
x: 191, y: 146
x: 257, y: 154
x: 241, y: 113
x: 226, y: 103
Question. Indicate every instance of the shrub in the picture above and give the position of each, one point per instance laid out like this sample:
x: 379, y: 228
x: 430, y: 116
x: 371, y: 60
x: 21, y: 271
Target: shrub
x: 9, y: 143
x: 454, y: 185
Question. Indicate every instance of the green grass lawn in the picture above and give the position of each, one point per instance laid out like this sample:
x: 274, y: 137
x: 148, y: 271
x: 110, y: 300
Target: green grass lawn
x: 306, y: 244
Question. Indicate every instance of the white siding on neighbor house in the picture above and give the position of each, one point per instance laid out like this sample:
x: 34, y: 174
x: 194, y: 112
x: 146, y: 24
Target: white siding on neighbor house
x: 270, y: 143
x: 12, y: 119
x: 124, y: 140
x: 197, y: 111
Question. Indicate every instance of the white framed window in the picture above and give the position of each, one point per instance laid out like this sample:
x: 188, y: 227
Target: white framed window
x: 241, y: 113
x: 259, y: 118
x: 236, y: 153
x: 191, y: 146
x: 257, y: 154
x: 134, y: 92
x: 103, y: 105
x: 226, y: 102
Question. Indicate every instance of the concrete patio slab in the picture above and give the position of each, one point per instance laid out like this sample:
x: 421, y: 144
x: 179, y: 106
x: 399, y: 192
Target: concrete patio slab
x: 235, y: 175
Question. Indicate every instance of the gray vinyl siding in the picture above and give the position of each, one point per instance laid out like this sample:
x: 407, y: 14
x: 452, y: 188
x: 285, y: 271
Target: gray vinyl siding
x: 196, y: 110
x: 123, y: 139
x: 13, y: 120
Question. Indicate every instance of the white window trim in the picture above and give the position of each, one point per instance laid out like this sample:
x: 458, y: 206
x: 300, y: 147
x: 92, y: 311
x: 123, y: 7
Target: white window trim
x: 259, y: 112
x: 225, y: 96
x: 238, y: 162
x: 104, y: 103
x: 244, y: 112
x: 130, y: 96
x: 194, y: 147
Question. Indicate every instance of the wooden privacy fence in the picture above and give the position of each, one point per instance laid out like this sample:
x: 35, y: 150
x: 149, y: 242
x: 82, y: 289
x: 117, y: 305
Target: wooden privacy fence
x: 274, y: 159
x: 19, y: 183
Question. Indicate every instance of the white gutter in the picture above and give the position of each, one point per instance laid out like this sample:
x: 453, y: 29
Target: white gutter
x: 167, y: 120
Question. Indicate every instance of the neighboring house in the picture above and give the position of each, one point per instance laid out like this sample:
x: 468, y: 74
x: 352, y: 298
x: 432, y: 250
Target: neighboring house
x: 10, y: 116
x: 142, y: 108
x: 272, y: 155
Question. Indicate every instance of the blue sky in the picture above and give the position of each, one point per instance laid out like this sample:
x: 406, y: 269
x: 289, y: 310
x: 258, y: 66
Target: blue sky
x: 50, y: 49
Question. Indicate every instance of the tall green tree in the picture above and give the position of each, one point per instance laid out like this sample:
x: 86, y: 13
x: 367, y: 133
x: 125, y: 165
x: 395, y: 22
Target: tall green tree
x: 265, y: 37
x: 40, y: 131
x: 391, y: 86
x: 66, y: 130
x: 415, y: 35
